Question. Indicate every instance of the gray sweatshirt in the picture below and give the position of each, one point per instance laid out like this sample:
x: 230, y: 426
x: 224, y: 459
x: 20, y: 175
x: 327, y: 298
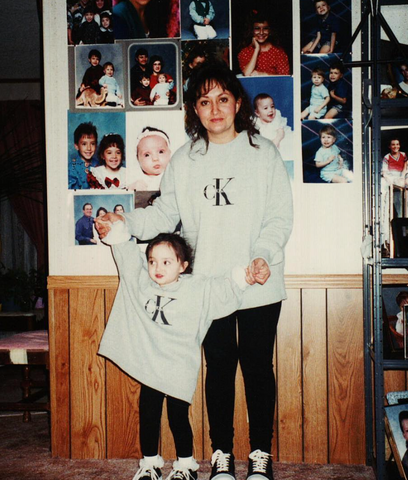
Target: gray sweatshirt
x: 235, y: 205
x: 155, y: 333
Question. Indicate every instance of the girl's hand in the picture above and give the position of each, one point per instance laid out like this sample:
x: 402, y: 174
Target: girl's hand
x: 249, y: 277
x: 260, y: 271
x: 255, y: 44
x: 103, y: 224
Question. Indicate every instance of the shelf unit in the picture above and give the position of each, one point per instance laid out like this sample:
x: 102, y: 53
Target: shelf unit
x: 373, y: 119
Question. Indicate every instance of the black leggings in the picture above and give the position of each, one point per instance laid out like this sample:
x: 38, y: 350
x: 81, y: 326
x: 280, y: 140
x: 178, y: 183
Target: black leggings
x: 150, y: 412
x: 254, y: 351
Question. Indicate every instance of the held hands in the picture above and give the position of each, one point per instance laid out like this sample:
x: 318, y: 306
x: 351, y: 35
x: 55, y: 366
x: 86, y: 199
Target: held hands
x: 103, y: 224
x: 257, y: 272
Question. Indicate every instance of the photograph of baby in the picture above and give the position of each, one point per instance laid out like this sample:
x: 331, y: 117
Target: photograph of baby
x: 154, y: 74
x: 325, y: 26
x: 151, y: 142
x: 272, y: 102
x: 262, y: 40
x: 96, y: 151
x: 326, y: 90
x: 194, y: 53
x: 99, y: 76
x: 327, y: 150
x: 204, y: 19
x: 89, y: 22
x: 87, y: 207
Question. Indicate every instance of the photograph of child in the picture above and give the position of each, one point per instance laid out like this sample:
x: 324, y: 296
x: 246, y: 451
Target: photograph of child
x: 151, y: 141
x: 85, y: 133
x: 99, y: 76
x: 194, y: 53
x: 89, y: 22
x: 262, y: 42
x: 397, y: 417
x: 272, y: 102
x: 146, y: 19
x: 154, y: 75
x: 327, y: 150
x: 204, y: 19
x: 325, y: 26
x: 89, y: 206
x: 326, y: 90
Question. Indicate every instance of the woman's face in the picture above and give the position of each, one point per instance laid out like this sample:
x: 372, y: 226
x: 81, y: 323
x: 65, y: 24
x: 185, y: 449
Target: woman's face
x: 157, y: 66
x: 262, y: 30
x: 100, y: 3
x: 217, y: 110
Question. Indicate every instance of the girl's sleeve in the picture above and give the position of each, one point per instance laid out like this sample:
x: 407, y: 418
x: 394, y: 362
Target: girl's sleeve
x: 223, y: 295
x: 211, y: 13
x: 278, y: 216
x: 161, y: 217
x: 318, y: 157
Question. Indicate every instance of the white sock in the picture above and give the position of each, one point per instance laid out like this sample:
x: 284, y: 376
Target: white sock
x: 152, y: 461
x: 188, y: 462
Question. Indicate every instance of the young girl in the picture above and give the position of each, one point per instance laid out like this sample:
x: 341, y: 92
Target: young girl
x: 153, y: 155
x: 108, y: 81
x: 106, y: 30
x: 158, y: 321
x: 272, y: 125
x: 160, y: 93
x: 111, y: 174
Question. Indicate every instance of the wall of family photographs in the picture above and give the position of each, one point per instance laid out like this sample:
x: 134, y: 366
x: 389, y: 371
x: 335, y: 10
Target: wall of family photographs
x: 106, y: 83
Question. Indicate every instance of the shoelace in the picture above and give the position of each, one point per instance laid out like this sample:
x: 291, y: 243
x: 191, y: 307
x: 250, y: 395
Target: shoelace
x: 179, y: 474
x: 260, y: 460
x: 222, y: 460
x: 146, y: 471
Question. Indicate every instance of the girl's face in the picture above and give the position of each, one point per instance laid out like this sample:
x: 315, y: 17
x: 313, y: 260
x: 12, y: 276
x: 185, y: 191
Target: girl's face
x: 109, y: 71
x: 163, y: 265
x: 105, y: 22
x: 162, y: 78
x: 395, y: 146
x: 145, y: 81
x: 119, y: 209
x: 112, y: 156
x: 217, y: 110
x: 157, y: 66
x: 262, y: 30
x: 101, y: 213
x: 266, y: 110
x: 327, y: 140
x: 154, y: 154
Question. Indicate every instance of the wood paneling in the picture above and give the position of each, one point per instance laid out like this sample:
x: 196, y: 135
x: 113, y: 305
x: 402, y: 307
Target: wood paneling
x: 289, y: 355
x: 314, y: 334
x: 346, y: 376
x: 87, y: 375
x: 318, y: 364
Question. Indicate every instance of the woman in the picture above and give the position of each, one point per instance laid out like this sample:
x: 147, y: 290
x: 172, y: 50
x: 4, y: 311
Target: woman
x: 145, y: 19
x: 230, y: 189
x: 261, y: 55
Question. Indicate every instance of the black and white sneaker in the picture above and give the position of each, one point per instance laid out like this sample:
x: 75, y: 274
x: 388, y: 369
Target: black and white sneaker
x: 223, y: 467
x: 184, y: 472
x: 260, y: 466
x: 149, y: 471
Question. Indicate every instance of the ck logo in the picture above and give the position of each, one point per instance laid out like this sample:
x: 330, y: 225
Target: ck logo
x: 217, y: 192
x: 156, y: 309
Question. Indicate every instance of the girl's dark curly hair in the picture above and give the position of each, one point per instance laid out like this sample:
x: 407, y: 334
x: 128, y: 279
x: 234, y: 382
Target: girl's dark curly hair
x: 183, y: 251
x: 202, y: 80
x: 248, y: 34
x: 111, y: 140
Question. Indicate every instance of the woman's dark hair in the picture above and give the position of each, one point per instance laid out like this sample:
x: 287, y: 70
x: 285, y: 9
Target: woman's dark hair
x: 111, y: 140
x: 183, y: 251
x: 202, y: 80
x: 103, y: 209
x: 155, y: 58
x: 248, y: 34
x: 118, y: 205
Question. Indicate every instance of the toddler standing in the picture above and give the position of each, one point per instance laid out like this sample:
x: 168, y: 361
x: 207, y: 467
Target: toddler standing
x: 159, y: 319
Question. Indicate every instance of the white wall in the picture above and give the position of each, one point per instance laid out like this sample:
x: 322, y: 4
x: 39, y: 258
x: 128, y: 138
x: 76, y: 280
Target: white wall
x: 328, y: 218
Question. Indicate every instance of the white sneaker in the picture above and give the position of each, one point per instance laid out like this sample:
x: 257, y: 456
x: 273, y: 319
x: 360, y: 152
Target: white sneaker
x: 149, y: 470
x: 223, y: 467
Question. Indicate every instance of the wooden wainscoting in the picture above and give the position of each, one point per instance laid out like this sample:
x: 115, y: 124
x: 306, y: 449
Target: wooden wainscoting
x: 318, y: 364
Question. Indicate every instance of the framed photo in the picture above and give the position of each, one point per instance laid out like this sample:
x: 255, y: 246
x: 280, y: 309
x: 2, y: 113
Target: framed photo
x: 396, y: 427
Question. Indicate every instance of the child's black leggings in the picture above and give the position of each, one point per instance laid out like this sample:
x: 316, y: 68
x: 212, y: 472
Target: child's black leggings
x: 150, y: 412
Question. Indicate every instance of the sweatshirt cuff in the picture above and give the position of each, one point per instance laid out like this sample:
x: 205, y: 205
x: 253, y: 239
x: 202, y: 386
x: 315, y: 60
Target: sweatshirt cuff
x: 238, y: 276
x: 118, y: 233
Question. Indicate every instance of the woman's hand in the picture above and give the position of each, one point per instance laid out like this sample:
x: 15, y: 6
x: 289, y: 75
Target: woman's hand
x: 258, y: 272
x: 103, y: 224
x: 255, y: 44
